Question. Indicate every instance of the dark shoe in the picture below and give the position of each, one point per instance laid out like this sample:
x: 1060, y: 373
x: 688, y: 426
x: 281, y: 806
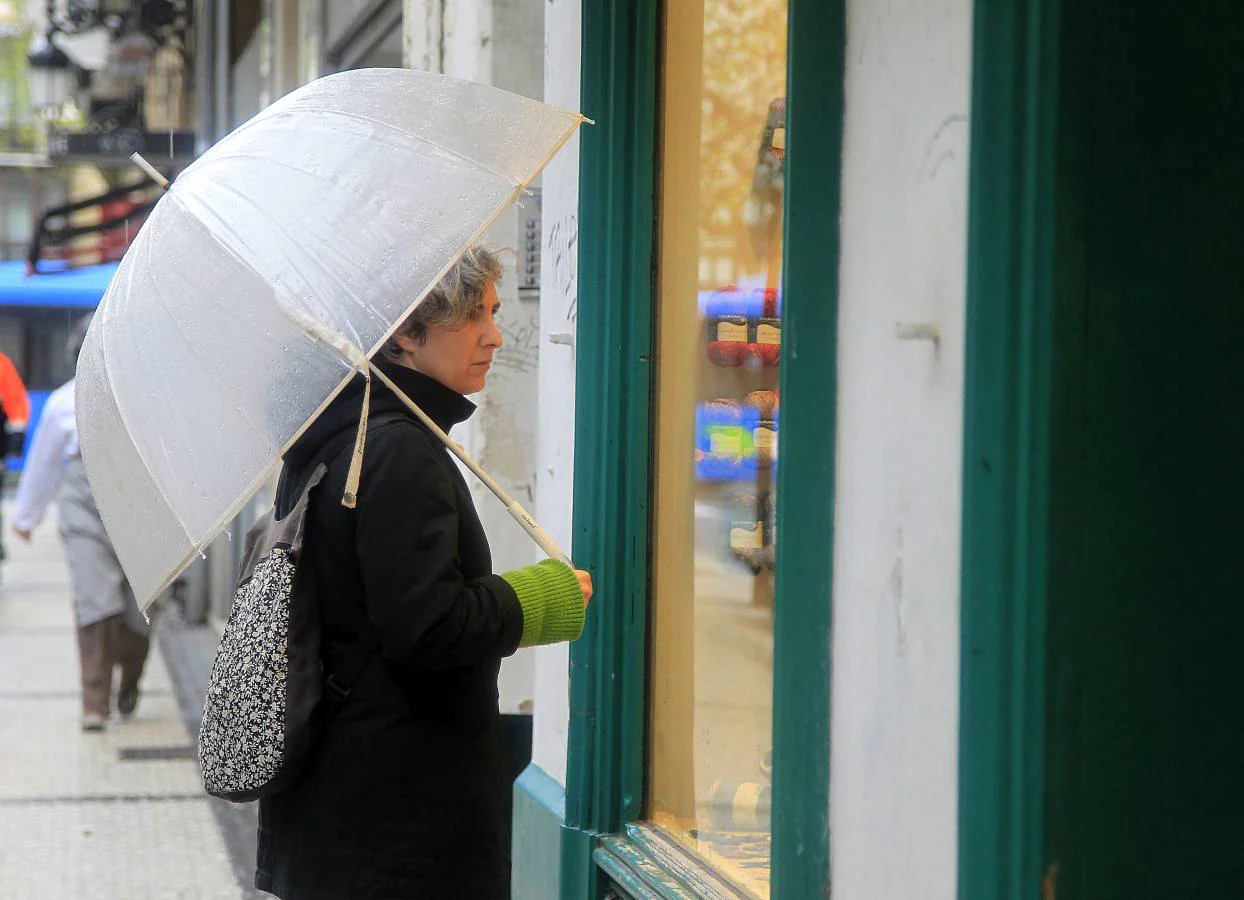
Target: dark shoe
x: 127, y: 701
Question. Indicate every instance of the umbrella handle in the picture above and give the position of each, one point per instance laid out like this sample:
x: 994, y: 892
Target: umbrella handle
x: 512, y: 506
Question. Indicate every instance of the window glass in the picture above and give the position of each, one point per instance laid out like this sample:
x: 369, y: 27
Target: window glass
x: 718, y: 417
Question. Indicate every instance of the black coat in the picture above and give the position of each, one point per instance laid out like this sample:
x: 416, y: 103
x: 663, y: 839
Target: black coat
x: 404, y: 794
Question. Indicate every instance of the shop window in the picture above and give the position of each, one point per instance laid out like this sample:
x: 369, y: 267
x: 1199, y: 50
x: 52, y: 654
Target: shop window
x: 718, y: 423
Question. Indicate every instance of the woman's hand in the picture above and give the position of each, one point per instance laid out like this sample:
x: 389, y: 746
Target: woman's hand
x: 585, y: 582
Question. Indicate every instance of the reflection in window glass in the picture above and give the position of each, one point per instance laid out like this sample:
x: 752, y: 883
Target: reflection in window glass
x: 718, y: 415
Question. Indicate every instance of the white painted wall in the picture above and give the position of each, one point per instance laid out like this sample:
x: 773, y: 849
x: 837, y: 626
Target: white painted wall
x: 493, y: 42
x: 558, y: 313
x: 894, y: 746
x: 422, y: 29
x: 468, y: 39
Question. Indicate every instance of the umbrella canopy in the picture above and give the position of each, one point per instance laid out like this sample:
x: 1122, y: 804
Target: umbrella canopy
x: 272, y: 268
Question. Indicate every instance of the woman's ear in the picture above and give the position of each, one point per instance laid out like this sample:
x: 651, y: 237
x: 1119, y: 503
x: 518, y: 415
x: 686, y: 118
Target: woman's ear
x: 406, y: 342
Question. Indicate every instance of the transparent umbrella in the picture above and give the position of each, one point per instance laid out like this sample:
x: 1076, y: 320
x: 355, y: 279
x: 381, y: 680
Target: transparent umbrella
x: 266, y: 277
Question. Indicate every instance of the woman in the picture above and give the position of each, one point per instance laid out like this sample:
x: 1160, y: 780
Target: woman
x: 404, y: 794
x: 112, y: 633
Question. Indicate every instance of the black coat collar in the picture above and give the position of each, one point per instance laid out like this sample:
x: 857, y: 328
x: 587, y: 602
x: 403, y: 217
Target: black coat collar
x: 446, y: 407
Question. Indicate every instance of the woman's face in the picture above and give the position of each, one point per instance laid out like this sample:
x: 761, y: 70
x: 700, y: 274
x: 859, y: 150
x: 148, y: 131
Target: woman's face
x: 459, y: 358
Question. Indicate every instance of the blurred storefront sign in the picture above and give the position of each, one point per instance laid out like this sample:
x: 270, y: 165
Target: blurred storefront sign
x: 115, y: 147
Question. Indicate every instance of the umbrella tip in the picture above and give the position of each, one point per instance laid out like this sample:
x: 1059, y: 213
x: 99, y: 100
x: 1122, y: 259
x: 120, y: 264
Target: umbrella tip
x: 152, y: 172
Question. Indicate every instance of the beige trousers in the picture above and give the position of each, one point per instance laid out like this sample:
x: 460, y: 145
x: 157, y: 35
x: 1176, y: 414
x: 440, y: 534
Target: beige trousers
x: 103, y: 646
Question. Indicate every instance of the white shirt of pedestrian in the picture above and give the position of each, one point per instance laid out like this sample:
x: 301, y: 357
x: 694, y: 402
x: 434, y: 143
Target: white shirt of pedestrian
x: 55, y: 442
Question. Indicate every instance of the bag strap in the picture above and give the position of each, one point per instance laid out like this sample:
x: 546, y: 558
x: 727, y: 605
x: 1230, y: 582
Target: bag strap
x: 349, y: 664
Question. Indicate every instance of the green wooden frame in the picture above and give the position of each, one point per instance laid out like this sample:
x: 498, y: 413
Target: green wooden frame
x: 613, y: 435
x: 1006, y: 450
x: 618, y: 207
x: 803, y: 608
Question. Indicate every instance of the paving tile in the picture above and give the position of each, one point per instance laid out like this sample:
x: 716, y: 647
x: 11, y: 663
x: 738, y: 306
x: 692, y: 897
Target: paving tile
x: 113, y: 851
x: 77, y: 820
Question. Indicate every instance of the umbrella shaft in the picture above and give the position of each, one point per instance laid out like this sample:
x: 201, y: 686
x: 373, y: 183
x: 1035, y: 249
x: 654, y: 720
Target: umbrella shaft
x: 512, y: 506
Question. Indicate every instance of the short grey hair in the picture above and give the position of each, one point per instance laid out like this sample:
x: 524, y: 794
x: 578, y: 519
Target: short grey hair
x: 453, y: 301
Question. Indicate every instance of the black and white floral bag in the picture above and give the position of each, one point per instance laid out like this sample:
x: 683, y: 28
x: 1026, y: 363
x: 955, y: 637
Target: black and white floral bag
x: 269, y: 689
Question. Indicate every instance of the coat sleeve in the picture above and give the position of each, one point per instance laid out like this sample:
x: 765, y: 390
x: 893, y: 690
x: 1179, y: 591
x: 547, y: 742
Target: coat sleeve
x: 44, y: 463
x: 406, y: 537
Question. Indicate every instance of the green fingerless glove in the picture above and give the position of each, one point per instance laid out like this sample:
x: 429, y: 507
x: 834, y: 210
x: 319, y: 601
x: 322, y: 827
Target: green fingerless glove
x: 552, y: 602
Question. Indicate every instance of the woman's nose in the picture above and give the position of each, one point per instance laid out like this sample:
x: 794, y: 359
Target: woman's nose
x: 493, y: 336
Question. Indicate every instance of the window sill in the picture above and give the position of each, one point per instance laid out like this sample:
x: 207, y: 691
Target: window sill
x: 645, y: 864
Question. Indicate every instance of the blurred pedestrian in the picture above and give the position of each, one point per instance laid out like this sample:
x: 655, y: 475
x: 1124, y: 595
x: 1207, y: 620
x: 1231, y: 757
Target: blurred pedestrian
x: 405, y: 792
x: 112, y: 632
x: 14, y: 414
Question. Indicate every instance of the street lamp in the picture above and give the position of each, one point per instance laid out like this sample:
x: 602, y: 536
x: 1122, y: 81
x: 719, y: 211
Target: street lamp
x: 51, y: 74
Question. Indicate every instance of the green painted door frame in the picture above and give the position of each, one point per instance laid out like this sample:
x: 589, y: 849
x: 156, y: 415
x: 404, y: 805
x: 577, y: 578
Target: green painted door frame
x: 1006, y: 450
x: 613, y: 435
x: 614, y: 446
x: 809, y: 382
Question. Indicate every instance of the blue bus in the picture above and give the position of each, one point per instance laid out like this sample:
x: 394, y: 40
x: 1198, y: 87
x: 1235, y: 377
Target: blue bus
x: 36, y: 312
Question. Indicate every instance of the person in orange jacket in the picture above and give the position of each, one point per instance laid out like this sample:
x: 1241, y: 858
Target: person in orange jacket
x: 14, y: 415
x: 14, y: 400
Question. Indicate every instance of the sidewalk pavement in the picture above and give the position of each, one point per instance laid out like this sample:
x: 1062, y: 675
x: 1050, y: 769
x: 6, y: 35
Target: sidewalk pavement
x: 118, y: 815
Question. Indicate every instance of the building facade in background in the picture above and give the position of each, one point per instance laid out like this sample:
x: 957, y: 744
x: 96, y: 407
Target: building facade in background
x: 82, y: 85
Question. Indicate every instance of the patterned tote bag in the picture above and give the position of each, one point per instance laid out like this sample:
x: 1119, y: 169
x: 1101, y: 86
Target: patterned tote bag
x: 269, y: 688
